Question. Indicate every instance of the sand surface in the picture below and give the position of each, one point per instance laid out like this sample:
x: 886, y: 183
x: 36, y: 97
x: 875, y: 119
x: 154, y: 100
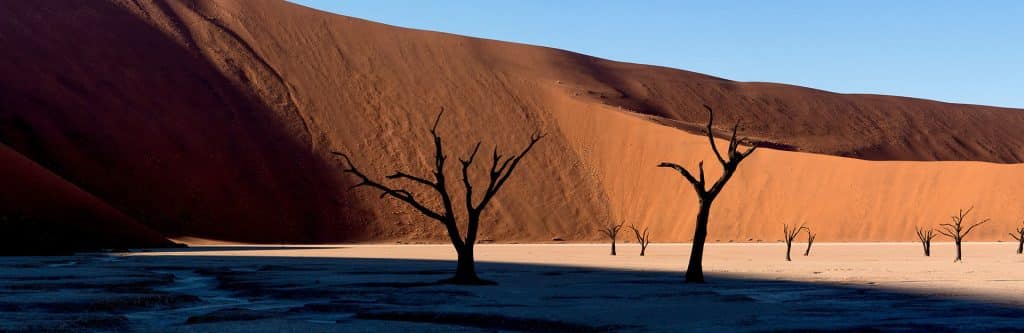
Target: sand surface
x: 990, y: 270
x: 541, y: 287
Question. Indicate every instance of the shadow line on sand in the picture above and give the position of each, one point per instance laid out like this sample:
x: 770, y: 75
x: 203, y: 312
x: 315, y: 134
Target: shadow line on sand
x: 228, y: 248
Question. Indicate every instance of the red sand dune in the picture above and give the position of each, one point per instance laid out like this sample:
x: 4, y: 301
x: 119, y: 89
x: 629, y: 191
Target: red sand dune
x: 216, y: 119
x: 63, y: 217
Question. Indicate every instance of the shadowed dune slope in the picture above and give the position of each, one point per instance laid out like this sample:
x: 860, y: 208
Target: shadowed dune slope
x: 216, y: 119
x: 101, y: 94
x: 60, y: 216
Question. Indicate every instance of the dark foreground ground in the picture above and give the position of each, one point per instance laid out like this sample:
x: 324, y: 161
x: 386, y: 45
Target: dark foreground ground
x: 190, y: 291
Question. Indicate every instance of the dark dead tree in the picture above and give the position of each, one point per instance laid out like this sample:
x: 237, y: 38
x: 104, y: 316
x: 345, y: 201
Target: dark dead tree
x: 705, y: 195
x: 810, y: 240
x: 790, y: 233
x: 925, y: 236
x: 612, y: 231
x: 1019, y: 236
x: 500, y: 170
x: 957, y: 231
x: 643, y: 237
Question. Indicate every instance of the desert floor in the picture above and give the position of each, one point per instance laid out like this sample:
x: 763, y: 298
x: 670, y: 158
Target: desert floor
x: 541, y: 287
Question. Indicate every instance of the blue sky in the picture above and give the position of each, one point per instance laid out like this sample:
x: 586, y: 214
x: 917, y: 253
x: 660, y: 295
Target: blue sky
x: 956, y: 51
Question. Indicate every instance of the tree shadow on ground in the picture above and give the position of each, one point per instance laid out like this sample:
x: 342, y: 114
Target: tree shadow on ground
x: 356, y: 294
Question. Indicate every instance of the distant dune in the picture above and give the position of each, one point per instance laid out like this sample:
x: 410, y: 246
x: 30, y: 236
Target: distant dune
x: 216, y: 119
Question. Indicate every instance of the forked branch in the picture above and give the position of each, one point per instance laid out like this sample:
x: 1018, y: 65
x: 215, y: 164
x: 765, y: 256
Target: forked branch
x: 925, y: 236
x: 705, y: 194
x: 810, y: 241
x: 729, y: 162
x: 957, y: 230
x: 643, y: 237
x: 790, y: 234
x: 400, y: 194
x: 612, y: 231
x: 500, y: 171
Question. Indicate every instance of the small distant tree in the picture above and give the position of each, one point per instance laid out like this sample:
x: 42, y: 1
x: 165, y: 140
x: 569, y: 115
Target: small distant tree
x: 612, y: 231
x: 500, y: 170
x: 791, y: 233
x: 957, y: 231
x: 925, y: 236
x: 642, y: 237
x: 1019, y: 236
x: 810, y: 240
x: 706, y: 196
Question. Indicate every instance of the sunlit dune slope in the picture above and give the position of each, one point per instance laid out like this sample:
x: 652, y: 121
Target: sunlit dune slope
x: 216, y: 119
x: 840, y: 199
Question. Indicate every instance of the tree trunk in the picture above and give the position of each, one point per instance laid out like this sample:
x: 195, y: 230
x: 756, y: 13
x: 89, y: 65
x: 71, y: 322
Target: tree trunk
x: 808, y: 250
x: 613, y: 247
x: 927, y: 248
x: 789, y: 247
x: 959, y: 256
x: 466, y: 270
x: 643, y: 248
x: 465, y: 273
x: 695, y: 270
x: 1020, y: 246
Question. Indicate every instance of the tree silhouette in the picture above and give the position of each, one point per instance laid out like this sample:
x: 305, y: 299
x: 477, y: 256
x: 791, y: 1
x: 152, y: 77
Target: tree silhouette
x: 957, y: 232
x: 790, y: 234
x: 695, y: 270
x: 642, y: 237
x: 926, y: 239
x: 810, y: 240
x: 500, y: 170
x: 612, y: 231
x: 1019, y: 236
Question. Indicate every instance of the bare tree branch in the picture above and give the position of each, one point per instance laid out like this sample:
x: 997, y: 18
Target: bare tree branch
x: 612, y: 231
x: 500, y: 171
x: 790, y: 234
x: 402, y: 175
x: 642, y: 237
x: 974, y: 225
x: 810, y: 241
x: 925, y: 236
x: 706, y: 196
x: 749, y: 151
x: 465, y: 177
x: 957, y: 232
x: 1019, y: 236
x: 500, y: 175
x: 711, y: 135
x: 399, y: 194
x: 698, y: 184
